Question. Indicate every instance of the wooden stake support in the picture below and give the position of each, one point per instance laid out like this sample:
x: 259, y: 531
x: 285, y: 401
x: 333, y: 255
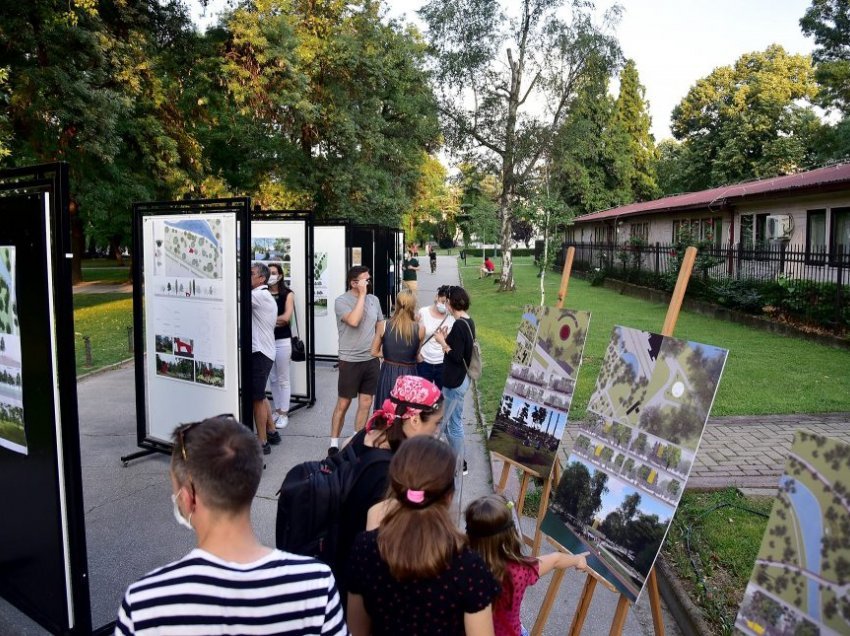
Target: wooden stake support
x: 565, y: 276
x: 593, y: 577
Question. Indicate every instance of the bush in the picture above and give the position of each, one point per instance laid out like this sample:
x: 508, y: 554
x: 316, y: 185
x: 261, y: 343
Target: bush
x: 477, y: 251
x: 597, y: 276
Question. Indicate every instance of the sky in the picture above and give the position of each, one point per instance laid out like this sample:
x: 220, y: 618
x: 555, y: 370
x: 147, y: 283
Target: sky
x: 675, y: 42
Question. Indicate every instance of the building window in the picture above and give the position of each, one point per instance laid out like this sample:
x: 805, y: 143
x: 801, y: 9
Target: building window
x: 816, y: 236
x: 753, y: 230
x: 603, y: 234
x: 709, y: 230
x: 839, y: 243
x: 639, y: 231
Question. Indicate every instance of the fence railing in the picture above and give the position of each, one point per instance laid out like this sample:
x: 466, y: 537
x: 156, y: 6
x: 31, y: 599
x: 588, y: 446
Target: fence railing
x: 727, y: 262
x: 812, y: 285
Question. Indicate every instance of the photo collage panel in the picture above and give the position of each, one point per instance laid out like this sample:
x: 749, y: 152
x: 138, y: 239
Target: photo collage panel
x: 536, y: 400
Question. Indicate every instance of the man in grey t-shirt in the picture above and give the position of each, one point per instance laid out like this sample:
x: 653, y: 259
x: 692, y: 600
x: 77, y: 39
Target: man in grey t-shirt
x: 358, y: 313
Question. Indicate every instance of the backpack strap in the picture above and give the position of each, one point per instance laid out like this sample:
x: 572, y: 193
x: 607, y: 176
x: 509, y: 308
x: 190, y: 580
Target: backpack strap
x: 364, y: 464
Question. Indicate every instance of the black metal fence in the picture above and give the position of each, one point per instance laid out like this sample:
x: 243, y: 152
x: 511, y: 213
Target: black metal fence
x: 812, y: 285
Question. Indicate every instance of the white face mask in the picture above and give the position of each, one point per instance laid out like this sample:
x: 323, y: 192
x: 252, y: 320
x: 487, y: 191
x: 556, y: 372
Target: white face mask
x: 274, y: 279
x: 441, y: 307
x: 186, y: 523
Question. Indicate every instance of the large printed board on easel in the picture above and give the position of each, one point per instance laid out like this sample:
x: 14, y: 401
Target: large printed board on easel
x: 191, y: 353
x: 801, y: 580
x: 44, y: 569
x: 536, y: 400
x: 330, y: 265
x: 633, y: 453
x: 285, y: 243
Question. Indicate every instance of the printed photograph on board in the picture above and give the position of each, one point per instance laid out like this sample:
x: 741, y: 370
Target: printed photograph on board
x: 276, y: 251
x: 621, y: 526
x: 538, y: 391
x: 209, y: 373
x: 801, y: 578
x: 12, y: 426
x: 189, y: 248
x: 320, y: 282
x: 638, y: 441
x: 175, y: 367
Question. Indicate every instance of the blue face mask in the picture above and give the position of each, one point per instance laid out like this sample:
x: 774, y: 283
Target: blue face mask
x: 441, y: 307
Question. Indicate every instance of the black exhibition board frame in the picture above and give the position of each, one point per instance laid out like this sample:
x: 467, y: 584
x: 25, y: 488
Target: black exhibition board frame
x: 305, y: 323
x: 43, y: 554
x: 239, y: 207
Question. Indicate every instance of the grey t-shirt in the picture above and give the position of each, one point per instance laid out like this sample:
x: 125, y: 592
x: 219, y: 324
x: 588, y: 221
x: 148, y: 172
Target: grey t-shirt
x: 355, y: 344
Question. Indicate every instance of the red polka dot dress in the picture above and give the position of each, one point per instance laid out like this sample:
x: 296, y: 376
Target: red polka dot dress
x: 506, y: 607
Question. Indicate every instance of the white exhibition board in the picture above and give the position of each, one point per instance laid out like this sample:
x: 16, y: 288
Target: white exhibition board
x: 190, y: 315
x: 284, y: 242
x: 329, y: 250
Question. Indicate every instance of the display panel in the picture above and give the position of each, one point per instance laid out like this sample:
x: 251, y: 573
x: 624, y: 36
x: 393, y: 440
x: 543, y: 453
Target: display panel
x: 190, y: 316
x: 12, y: 424
x: 634, y: 452
x: 802, y: 572
x: 536, y: 400
x: 284, y: 242
x: 330, y: 241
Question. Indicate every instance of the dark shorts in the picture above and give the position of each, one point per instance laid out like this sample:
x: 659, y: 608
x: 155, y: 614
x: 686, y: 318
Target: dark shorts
x: 358, y: 377
x: 261, y: 366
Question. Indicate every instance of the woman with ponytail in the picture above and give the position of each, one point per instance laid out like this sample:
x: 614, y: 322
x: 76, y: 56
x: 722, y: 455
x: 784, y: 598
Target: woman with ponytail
x: 415, y: 574
x: 414, y: 408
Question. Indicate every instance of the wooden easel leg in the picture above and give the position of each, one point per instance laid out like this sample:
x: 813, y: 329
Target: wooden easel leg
x: 544, y: 505
x: 583, y: 605
x: 548, y: 601
x: 503, y: 478
x: 655, y: 604
x: 620, y: 617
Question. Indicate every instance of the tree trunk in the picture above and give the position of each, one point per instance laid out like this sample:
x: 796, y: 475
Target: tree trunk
x: 115, y: 249
x: 506, y: 281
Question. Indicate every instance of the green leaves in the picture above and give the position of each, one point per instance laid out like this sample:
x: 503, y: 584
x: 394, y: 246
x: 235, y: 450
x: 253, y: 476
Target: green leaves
x: 829, y: 22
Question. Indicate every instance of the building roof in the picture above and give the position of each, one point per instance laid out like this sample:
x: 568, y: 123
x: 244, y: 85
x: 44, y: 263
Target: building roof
x: 820, y: 180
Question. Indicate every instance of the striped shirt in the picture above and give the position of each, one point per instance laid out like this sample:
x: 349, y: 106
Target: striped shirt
x: 281, y: 593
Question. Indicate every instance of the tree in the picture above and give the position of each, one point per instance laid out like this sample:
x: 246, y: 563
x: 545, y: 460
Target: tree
x: 829, y: 22
x: 432, y: 211
x: 632, y: 120
x: 748, y: 120
x: 504, y: 65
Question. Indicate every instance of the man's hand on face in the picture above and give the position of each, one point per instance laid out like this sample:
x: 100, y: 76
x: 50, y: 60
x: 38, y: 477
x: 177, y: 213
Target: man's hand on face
x: 361, y: 287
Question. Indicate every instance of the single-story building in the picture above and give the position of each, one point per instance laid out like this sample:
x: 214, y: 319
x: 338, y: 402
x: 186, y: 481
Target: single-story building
x: 807, y: 214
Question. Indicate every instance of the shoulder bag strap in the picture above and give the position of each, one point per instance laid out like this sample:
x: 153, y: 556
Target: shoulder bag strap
x: 432, y: 334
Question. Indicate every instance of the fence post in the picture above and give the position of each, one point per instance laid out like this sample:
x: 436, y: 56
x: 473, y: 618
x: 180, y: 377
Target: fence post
x: 130, y: 338
x: 740, y: 256
x: 657, y: 255
x: 87, y: 345
x: 839, y: 282
x: 782, y: 247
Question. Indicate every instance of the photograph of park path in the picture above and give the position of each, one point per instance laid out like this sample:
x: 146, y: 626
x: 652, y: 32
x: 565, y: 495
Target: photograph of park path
x: 621, y: 526
x: 536, y: 399
x: 801, y: 580
x: 12, y: 429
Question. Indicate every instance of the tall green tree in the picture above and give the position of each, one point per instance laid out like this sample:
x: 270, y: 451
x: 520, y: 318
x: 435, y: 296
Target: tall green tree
x: 829, y: 22
x: 749, y: 120
x: 632, y: 120
x: 507, y: 81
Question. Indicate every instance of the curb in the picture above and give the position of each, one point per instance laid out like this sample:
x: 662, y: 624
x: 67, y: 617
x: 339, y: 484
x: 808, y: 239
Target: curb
x: 109, y: 367
x: 686, y: 614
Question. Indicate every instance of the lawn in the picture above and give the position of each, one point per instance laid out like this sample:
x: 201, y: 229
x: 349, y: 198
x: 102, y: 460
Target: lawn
x: 765, y: 373
x: 104, y: 318
x: 105, y: 270
x: 724, y: 530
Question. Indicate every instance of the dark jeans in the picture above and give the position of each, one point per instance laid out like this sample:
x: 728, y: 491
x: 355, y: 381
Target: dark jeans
x: 433, y: 372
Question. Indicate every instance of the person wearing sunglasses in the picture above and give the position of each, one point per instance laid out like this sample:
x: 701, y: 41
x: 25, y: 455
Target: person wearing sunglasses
x: 230, y: 583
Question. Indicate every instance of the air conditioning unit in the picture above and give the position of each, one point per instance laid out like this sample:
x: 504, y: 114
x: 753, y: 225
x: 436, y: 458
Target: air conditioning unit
x: 779, y: 227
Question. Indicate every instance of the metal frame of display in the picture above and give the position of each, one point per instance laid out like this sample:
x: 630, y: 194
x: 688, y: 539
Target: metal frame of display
x: 53, y: 180
x: 242, y: 207
x: 299, y: 401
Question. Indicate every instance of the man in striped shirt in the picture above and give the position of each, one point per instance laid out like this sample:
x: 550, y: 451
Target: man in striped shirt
x: 230, y: 583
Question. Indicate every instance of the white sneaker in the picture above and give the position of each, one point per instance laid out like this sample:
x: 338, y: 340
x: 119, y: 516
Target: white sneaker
x: 280, y: 420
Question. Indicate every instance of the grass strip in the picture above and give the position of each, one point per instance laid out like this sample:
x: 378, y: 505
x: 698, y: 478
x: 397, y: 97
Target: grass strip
x: 765, y: 373
x: 104, y: 318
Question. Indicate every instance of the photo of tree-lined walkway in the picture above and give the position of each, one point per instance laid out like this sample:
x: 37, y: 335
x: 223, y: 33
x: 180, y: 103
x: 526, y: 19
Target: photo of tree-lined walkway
x: 801, y: 581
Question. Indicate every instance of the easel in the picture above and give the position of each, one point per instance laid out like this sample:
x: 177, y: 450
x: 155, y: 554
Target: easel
x: 593, y: 577
x: 555, y: 474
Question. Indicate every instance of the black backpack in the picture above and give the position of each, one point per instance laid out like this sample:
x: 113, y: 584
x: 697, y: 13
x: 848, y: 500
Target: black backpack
x: 311, y: 498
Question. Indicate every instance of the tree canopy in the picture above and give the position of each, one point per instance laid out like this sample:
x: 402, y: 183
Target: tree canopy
x: 829, y: 22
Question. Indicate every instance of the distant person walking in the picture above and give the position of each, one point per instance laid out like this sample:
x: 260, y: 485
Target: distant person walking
x: 263, y: 352
x: 281, y: 391
x: 410, y: 267
x: 358, y: 314
x: 432, y: 317
x: 432, y: 257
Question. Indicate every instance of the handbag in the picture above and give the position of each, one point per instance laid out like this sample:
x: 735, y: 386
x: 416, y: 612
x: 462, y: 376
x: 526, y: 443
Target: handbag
x: 473, y: 369
x: 299, y: 353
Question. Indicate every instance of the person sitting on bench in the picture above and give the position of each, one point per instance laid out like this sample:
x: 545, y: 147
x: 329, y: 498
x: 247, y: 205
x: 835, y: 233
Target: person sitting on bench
x: 487, y: 268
